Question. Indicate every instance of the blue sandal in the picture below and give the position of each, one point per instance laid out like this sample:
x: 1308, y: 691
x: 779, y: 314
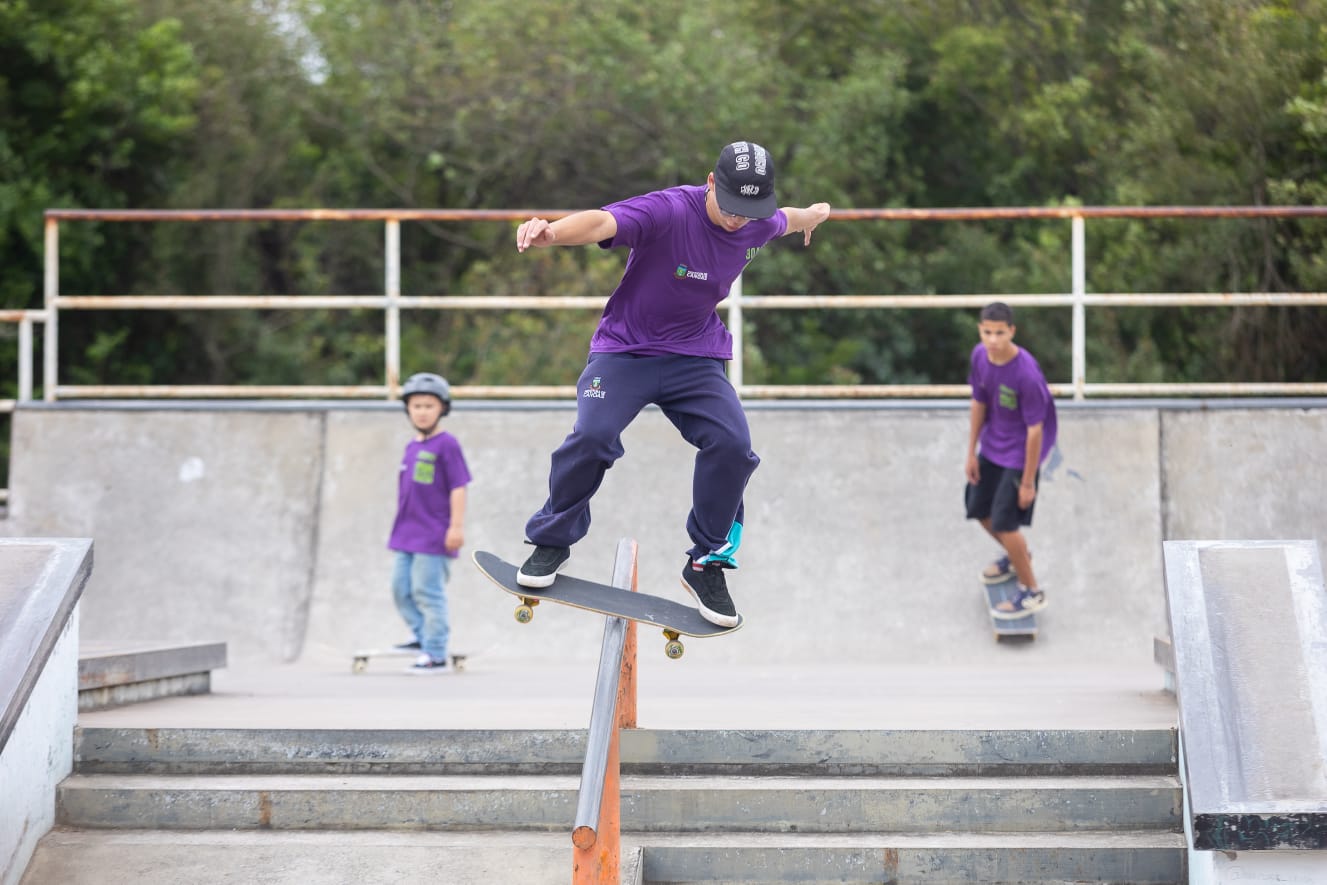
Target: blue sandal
x: 1026, y: 602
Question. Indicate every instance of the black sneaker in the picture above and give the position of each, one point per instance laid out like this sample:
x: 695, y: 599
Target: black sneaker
x: 412, y: 645
x: 427, y: 666
x: 707, y: 586
x: 543, y: 566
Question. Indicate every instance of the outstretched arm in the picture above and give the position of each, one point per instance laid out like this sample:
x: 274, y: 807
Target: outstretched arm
x: 577, y: 229
x: 805, y: 220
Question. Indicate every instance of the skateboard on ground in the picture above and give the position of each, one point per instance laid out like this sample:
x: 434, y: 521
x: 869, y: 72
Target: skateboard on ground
x: 674, y: 618
x: 361, y: 662
x: 1024, y: 628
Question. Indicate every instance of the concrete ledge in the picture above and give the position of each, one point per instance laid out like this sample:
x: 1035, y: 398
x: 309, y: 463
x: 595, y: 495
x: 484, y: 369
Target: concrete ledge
x: 1247, y: 622
x: 838, y: 753
x: 40, y: 585
x: 114, y: 673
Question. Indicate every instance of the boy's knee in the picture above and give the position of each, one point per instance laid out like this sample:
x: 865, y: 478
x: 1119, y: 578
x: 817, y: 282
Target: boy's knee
x: 737, y: 453
x: 598, y: 443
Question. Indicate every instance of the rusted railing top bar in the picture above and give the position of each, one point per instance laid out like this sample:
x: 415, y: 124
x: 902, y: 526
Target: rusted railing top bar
x: 300, y: 214
x: 1015, y: 212
x: 954, y: 214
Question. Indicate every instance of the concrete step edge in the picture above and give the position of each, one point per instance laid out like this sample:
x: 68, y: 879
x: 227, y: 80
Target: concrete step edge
x: 500, y: 837
x: 843, y: 752
x: 305, y: 783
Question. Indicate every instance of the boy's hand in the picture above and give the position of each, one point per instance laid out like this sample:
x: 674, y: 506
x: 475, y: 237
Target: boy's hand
x: 454, y: 540
x: 1026, y: 495
x: 973, y: 470
x: 535, y: 232
x: 819, y: 212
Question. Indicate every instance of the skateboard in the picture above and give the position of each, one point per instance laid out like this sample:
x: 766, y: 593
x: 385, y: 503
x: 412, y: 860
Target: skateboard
x: 361, y: 662
x: 674, y: 618
x: 1024, y: 628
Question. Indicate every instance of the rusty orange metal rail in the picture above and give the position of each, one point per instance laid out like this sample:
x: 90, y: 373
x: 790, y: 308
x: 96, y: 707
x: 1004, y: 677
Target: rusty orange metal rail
x: 597, y: 833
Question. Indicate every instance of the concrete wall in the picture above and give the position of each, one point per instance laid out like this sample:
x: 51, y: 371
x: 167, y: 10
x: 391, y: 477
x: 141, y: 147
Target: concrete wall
x: 40, y: 585
x: 265, y: 526
x: 38, y: 755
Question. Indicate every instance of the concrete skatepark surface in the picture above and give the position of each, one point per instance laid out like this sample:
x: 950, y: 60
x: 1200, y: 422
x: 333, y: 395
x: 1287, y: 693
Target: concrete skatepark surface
x: 264, y: 525
x: 497, y: 693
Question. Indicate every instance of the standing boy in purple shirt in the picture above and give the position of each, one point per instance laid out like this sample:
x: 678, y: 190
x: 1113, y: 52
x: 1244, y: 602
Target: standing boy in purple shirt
x: 660, y: 341
x: 1013, y: 420
x: 430, y: 514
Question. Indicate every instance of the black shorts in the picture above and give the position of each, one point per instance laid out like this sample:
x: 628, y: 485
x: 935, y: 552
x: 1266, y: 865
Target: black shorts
x: 996, y: 496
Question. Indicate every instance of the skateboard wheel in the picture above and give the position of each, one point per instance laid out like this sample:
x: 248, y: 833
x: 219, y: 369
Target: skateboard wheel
x: 673, y: 648
x: 524, y: 614
x: 360, y: 665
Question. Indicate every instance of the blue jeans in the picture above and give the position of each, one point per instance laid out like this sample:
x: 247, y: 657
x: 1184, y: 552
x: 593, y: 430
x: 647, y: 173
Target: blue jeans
x: 419, y: 586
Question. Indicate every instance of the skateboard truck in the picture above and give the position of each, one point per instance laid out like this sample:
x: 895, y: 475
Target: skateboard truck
x: 525, y: 611
x: 673, y: 647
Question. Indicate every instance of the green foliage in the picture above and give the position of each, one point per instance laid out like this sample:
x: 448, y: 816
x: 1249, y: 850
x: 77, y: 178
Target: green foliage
x: 496, y: 104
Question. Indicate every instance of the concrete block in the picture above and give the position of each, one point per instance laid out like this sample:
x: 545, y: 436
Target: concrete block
x: 110, y: 663
x: 1247, y: 621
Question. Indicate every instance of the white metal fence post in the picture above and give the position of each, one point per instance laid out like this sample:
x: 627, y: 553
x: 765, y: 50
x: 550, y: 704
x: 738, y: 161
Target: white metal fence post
x: 392, y: 286
x: 51, y: 291
x: 25, y: 360
x: 1079, y: 307
x: 735, y: 327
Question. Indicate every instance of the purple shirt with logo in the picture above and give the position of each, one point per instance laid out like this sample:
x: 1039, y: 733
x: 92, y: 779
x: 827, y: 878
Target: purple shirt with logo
x: 430, y: 469
x: 1016, y: 397
x: 681, y: 265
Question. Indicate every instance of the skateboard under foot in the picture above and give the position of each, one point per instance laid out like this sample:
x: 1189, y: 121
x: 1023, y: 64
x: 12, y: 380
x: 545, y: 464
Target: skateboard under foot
x: 675, y: 619
x: 1024, y: 628
x: 361, y: 658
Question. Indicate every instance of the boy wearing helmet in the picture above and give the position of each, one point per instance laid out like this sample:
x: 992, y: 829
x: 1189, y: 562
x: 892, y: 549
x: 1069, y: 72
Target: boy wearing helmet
x: 430, y: 514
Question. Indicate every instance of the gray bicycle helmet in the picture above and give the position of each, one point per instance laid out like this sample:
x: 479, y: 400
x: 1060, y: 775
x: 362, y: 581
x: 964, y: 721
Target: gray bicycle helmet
x: 427, y: 382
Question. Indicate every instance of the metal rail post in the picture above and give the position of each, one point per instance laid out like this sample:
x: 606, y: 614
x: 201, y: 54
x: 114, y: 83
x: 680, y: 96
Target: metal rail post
x: 25, y: 359
x: 1079, y: 272
x: 597, y: 859
x: 392, y: 287
x: 735, y: 374
x: 51, y: 292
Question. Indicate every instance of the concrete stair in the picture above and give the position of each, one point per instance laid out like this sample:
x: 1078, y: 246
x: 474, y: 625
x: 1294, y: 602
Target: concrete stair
x: 702, y: 806
x: 112, y: 674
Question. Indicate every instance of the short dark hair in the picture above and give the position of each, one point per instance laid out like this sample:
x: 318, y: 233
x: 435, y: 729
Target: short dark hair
x: 998, y: 312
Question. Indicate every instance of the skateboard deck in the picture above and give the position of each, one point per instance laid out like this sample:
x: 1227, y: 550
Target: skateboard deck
x: 674, y: 618
x: 361, y: 658
x: 1024, y: 628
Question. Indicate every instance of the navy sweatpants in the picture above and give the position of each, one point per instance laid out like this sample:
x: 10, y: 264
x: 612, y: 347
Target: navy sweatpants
x: 695, y: 394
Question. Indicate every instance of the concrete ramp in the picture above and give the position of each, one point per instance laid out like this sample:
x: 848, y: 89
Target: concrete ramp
x: 1249, y: 626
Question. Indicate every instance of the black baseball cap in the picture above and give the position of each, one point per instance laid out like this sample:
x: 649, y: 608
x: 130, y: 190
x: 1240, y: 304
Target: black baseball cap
x: 744, y: 180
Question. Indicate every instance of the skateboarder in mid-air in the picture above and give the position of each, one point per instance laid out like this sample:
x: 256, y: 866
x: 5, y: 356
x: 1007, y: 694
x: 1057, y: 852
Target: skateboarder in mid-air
x: 1012, y: 430
x: 427, y: 533
x: 660, y: 341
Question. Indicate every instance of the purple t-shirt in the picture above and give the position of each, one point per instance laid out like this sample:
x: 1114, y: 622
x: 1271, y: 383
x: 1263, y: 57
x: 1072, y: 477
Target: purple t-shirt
x: 430, y: 469
x: 1016, y: 397
x: 681, y: 265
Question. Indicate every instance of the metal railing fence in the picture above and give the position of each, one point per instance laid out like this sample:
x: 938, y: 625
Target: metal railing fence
x: 392, y: 302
